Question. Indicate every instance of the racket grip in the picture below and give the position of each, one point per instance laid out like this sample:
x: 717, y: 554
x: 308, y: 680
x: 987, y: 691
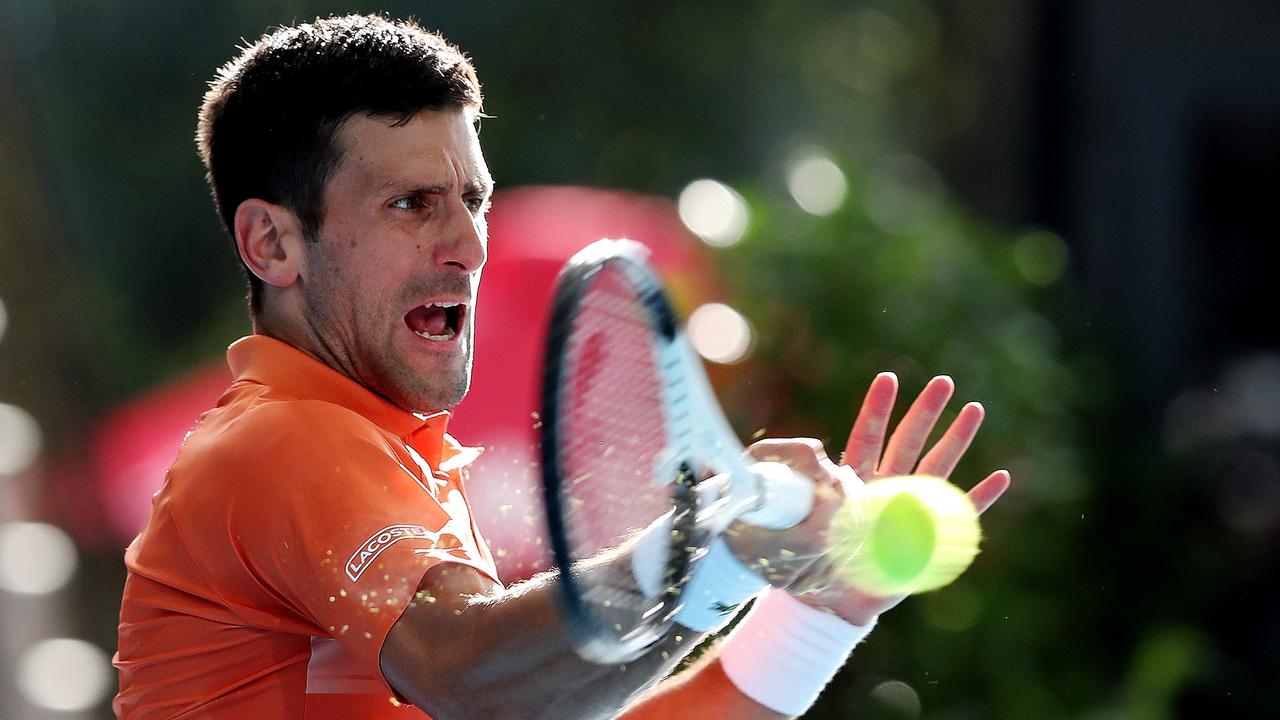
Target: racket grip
x: 785, y: 497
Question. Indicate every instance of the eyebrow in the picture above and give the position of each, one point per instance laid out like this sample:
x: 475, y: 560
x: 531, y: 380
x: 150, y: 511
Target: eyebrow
x: 479, y: 186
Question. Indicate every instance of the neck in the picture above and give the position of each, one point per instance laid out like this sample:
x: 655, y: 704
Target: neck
x: 294, y: 330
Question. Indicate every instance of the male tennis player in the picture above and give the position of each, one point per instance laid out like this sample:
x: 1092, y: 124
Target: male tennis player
x: 311, y: 553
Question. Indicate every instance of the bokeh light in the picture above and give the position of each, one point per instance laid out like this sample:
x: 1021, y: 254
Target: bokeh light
x: 719, y: 333
x: 816, y: 183
x: 714, y: 212
x: 64, y: 674
x: 1040, y: 256
x: 1251, y: 386
x: 898, y: 697
x: 19, y: 439
x: 904, y: 195
x: 1247, y: 492
x: 884, y: 50
x: 35, y: 558
x: 1196, y: 418
x: 1028, y: 337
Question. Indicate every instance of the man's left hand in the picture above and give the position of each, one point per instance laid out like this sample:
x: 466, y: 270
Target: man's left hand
x: 866, y: 452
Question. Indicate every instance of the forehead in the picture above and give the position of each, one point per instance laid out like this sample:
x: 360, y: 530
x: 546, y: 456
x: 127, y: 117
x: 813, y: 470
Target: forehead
x: 431, y: 145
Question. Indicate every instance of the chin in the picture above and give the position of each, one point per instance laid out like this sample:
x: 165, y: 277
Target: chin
x: 423, y: 387
x: 432, y: 398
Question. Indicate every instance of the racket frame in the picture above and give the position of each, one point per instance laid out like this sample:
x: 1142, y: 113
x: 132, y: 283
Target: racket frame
x: 703, y: 457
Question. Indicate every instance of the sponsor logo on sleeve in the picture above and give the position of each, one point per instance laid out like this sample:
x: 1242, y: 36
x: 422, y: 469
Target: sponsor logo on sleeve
x: 381, y: 540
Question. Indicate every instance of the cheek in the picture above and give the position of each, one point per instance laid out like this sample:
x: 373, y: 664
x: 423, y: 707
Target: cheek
x: 344, y: 278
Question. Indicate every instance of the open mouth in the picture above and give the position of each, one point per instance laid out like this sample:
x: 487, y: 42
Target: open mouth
x: 439, y: 321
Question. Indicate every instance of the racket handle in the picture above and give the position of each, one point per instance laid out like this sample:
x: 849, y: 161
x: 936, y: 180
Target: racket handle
x: 784, y: 497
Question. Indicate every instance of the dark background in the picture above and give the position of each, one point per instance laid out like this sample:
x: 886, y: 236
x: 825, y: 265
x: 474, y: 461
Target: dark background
x: 1134, y: 392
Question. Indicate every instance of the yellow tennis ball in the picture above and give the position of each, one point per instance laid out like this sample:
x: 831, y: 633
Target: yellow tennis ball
x: 912, y: 534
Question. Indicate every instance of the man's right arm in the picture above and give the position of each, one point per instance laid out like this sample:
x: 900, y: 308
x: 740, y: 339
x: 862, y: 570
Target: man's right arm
x: 487, y: 654
x: 465, y: 648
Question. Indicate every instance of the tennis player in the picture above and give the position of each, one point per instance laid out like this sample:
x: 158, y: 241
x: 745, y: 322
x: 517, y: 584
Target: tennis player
x: 311, y: 553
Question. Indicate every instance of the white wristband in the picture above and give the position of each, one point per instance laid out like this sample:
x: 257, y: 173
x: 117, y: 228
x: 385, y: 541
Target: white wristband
x: 784, y: 652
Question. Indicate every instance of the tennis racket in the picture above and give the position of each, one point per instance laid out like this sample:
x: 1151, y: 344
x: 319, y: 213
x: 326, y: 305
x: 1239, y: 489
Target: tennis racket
x: 631, y: 437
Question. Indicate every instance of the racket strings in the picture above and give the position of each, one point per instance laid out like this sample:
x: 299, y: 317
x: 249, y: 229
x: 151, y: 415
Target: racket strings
x: 613, y: 417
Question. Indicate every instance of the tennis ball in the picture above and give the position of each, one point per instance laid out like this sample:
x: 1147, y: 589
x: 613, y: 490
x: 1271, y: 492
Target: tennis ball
x: 913, y: 534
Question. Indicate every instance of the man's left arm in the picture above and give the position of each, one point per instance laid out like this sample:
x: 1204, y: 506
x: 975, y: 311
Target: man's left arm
x: 707, y: 689
x: 872, y: 459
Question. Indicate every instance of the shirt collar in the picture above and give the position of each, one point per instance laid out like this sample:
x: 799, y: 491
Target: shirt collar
x: 290, y: 371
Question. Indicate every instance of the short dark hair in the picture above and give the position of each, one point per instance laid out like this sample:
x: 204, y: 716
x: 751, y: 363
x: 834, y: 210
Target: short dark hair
x: 268, y: 122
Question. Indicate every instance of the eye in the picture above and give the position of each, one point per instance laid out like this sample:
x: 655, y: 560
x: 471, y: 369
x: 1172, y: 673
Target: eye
x: 477, y: 204
x: 409, y: 202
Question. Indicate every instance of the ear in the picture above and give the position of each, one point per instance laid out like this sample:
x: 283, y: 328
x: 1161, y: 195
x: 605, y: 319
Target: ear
x: 270, y: 241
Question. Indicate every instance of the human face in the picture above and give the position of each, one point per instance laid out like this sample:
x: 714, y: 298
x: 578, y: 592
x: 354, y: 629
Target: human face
x: 390, y: 285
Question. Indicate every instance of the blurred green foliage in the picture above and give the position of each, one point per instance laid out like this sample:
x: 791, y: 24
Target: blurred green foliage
x: 836, y: 299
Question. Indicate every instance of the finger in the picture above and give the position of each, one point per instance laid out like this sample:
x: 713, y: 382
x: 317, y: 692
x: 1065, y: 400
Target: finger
x: 866, y: 439
x: 987, y: 492
x: 942, y: 458
x: 804, y: 455
x: 910, y: 435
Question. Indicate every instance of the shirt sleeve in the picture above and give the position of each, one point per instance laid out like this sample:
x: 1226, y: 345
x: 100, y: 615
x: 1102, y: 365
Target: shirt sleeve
x: 308, y: 520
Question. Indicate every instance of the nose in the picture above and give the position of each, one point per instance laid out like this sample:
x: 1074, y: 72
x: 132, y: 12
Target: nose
x: 466, y: 245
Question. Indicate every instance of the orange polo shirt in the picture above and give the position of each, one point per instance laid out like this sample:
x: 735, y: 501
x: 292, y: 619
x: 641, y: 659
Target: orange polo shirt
x: 288, y: 537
